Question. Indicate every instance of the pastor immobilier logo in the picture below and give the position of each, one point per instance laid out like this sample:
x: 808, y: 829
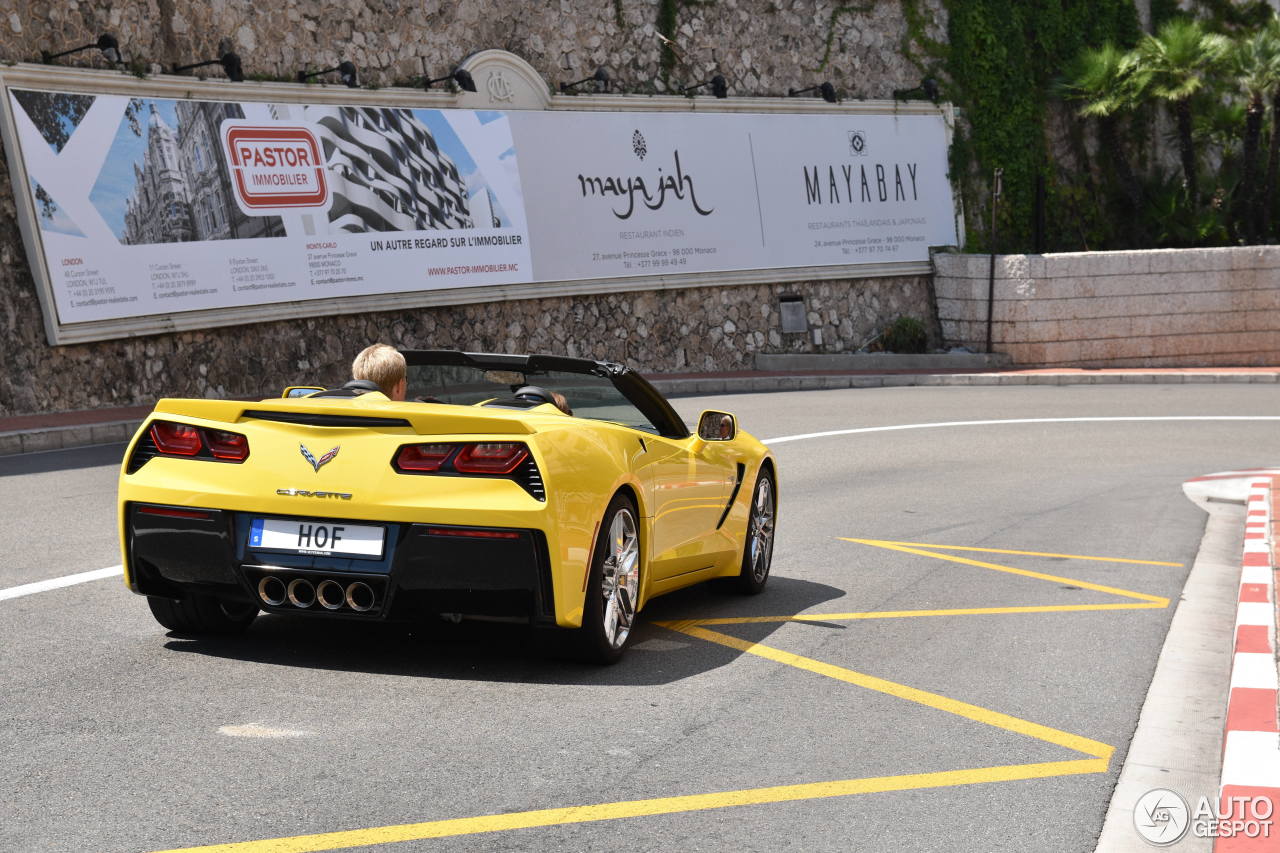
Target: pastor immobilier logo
x: 276, y: 168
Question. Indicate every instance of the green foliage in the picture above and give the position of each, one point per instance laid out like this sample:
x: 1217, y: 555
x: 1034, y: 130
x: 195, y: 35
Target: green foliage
x: 1178, y: 225
x: 1163, y: 10
x: 1215, y: 75
x: 1003, y: 60
x: 1174, y: 64
x: 905, y: 334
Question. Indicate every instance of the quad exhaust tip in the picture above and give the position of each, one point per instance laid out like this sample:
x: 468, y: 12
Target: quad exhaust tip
x: 272, y: 591
x: 330, y: 594
x: 301, y: 593
x: 360, y: 597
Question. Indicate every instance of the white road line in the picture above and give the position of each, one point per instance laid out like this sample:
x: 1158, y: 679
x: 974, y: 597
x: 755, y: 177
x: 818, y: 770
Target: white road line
x: 84, y: 577
x: 56, y: 583
x: 829, y: 433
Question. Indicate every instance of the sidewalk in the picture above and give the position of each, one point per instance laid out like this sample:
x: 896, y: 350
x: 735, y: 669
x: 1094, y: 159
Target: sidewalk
x: 34, y: 433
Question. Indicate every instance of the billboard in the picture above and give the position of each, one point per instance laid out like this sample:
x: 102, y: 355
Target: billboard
x: 620, y: 194
x: 153, y: 206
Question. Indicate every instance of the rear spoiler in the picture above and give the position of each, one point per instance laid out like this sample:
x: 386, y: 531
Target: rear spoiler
x: 370, y: 412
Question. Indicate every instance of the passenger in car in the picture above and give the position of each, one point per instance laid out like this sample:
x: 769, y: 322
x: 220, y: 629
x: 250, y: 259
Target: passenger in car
x: 560, y: 402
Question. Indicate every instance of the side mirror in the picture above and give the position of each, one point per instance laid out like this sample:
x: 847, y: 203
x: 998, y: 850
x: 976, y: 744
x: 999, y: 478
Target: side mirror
x: 717, y: 426
x: 301, y: 390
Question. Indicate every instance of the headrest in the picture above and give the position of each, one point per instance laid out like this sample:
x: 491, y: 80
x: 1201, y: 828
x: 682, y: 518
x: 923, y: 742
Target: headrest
x: 354, y: 388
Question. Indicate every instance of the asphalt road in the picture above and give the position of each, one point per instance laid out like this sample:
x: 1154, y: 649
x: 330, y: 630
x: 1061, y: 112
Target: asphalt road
x: 120, y: 738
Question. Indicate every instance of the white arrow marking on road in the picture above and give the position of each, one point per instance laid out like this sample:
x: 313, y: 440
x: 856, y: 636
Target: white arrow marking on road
x: 58, y: 583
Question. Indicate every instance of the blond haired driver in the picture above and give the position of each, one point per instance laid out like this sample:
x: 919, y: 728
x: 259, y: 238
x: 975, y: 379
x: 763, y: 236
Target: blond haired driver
x: 384, y: 366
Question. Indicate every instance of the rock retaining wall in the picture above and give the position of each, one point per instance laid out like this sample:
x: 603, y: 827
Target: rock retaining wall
x: 666, y: 331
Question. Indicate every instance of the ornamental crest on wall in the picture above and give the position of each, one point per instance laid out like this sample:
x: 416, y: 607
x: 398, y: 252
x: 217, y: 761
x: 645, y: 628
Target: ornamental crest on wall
x: 498, y: 87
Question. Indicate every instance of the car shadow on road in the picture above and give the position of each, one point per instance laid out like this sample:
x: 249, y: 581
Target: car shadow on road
x: 496, y: 652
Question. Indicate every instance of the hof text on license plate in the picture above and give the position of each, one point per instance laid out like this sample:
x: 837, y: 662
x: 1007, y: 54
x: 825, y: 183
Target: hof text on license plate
x: 304, y: 536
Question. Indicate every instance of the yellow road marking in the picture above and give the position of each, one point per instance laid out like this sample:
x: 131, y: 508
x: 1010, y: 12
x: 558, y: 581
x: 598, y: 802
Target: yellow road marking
x: 907, y: 614
x: 1096, y: 587
x: 1150, y: 602
x: 645, y: 808
x: 1099, y: 761
x: 1022, y: 553
x: 902, y: 691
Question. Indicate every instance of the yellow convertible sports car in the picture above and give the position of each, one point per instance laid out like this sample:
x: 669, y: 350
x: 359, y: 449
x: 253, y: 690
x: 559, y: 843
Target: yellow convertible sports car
x: 480, y: 495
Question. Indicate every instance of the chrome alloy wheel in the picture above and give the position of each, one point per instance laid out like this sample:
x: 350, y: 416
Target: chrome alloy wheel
x: 760, y: 531
x: 620, y: 581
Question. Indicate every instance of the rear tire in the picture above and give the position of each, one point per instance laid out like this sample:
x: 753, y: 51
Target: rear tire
x: 202, y: 614
x: 613, y: 586
x: 757, y: 552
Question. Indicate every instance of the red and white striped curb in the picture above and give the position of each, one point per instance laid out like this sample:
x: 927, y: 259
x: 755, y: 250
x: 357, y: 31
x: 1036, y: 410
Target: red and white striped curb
x: 1251, y: 742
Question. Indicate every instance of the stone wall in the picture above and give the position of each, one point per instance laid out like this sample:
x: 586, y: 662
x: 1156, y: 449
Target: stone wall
x: 680, y: 331
x: 1161, y: 308
x: 762, y: 47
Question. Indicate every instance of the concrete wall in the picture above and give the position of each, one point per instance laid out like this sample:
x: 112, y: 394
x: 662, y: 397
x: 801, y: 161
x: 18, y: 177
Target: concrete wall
x: 761, y: 46
x: 1169, y: 307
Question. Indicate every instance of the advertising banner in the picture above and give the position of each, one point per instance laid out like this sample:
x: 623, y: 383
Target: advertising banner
x: 154, y: 206
x: 617, y: 194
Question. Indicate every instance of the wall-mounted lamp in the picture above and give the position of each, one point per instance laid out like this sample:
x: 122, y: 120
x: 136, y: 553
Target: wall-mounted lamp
x: 230, y: 63
x: 346, y: 73
x: 928, y: 88
x: 461, y: 76
x: 601, y: 76
x: 719, y: 87
x: 826, y: 90
x: 106, y: 43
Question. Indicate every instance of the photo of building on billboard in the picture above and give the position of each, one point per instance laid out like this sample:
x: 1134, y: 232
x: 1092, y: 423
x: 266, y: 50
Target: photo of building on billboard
x: 166, y: 178
x: 386, y: 168
x: 398, y: 170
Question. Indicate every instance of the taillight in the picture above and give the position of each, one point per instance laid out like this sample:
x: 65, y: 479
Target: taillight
x: 173, y: 439
x: 422, y: 458
x: 227, y: 445
x: 498, y: 457
x: 177, y: 439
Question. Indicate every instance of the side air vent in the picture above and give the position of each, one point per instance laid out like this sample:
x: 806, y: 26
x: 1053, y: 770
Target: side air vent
x: 143, y: 452
x: 530, y: 478
x: 320, y: 419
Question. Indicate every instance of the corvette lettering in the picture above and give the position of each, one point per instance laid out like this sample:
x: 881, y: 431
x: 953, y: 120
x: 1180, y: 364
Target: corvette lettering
x: 307, y: 493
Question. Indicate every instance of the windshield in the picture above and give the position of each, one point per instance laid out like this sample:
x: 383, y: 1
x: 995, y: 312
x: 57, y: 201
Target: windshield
x: 593, y: 397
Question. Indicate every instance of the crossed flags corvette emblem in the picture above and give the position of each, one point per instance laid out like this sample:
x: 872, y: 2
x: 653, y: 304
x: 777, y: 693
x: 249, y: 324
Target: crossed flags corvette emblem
x: 316, y: 463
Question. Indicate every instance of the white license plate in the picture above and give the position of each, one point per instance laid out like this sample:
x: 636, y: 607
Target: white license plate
x: 323, y: 538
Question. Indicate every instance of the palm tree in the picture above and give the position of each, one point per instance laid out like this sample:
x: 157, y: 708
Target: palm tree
x: 1171, y: 66
x: 1103, y: 78
x: 1255, y: 64
x: 1272, y: 33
